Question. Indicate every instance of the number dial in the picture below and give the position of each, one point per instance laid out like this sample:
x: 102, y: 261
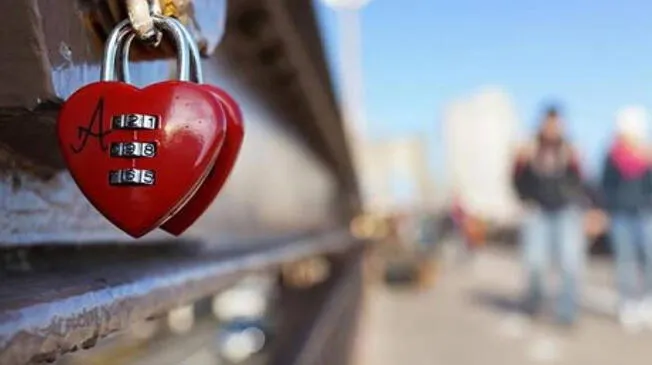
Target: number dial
x: 133, y: 149
x: 132, y: 177
x: 135, y: 121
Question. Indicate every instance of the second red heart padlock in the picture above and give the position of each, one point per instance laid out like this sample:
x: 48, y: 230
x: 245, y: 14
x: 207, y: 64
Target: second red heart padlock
x: 224, y: 164
x: 137, y: 154
x: 228, y: 155
x: 220, y: 171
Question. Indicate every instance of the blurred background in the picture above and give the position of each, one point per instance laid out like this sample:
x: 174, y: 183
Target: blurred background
x: 378, y: 210
x: 442, y: 97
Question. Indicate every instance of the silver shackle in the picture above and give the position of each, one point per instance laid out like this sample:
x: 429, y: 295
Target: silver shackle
x: 196, y: 73
x: 120, y: 39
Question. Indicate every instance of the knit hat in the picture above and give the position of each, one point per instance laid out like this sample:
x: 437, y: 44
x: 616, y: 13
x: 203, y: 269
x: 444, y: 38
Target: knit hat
x: 632, y: 122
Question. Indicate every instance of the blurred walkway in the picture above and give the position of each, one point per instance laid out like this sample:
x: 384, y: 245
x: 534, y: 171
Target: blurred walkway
x: 470, y: 317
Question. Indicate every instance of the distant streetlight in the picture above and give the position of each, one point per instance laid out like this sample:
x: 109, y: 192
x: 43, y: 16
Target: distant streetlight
x: 346, y: 4
x: 351, y: 81
x: 350, y: 37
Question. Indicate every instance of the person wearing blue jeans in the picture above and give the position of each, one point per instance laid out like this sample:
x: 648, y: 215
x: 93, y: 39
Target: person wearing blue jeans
x: 549, y: 235
x: 632, y: 247
x: 627, y: 195
x: 549, y: 184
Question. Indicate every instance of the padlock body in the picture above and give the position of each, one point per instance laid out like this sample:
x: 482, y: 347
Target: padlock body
x: 140, y: 154
x: 220, y: 170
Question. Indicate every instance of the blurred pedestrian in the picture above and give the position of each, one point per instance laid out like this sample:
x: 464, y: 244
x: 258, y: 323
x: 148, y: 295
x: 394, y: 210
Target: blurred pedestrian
x: 627, y: 193
x: 548, y: 181
x: 463, y: 224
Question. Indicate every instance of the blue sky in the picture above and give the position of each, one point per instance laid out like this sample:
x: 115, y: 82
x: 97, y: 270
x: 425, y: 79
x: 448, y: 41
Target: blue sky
x: 593, y: 56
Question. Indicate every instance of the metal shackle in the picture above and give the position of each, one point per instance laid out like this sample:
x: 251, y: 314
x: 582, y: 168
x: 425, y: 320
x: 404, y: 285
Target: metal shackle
x: 196, y: 73
x: 117, y: 41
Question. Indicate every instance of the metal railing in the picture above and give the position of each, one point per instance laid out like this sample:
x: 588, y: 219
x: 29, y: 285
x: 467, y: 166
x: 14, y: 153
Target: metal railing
x: 62, y: 299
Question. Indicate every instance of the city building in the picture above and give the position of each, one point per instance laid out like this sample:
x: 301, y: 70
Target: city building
x: 479, y: 133
x: 394, y: 174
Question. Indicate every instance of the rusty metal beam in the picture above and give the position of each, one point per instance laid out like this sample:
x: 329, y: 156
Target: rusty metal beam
x: 306, y: 28
x: 20, y: 128
x: 276, y: 46
x: 24, y: 66
x: 58, y: 300
x: 50, y: 44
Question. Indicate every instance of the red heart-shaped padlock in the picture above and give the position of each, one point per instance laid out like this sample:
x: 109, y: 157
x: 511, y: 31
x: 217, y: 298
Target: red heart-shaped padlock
x: 220, y: 171
x: 139, y: 154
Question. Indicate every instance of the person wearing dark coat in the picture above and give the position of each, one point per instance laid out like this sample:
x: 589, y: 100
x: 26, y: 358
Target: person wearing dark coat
x: 549, y: 183
x: 627, y: 197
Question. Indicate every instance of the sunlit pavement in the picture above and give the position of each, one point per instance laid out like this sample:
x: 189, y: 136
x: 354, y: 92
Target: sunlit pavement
x: 470, y: 317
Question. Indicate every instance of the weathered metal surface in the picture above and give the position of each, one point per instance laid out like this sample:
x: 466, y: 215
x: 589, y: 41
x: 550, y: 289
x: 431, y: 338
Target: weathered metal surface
x: 297, y: 22
x: 205, y: 20
x: 24, y: 67
x: 60, y: 301
x: 281, y: 42
x: 20, y: 128
x: 200, y: 347
x: 45, y: 37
